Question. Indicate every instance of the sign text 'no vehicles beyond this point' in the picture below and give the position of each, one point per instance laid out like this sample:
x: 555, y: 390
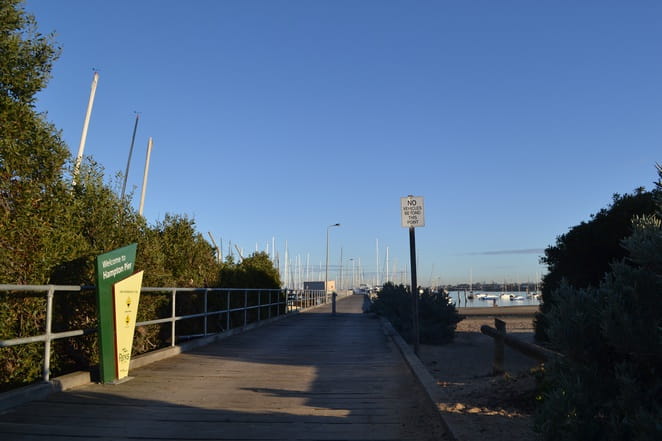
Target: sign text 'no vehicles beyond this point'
x: 413, y: 214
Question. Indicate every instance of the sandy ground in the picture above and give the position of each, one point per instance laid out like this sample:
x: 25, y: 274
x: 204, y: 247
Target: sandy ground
x: 478, y: 405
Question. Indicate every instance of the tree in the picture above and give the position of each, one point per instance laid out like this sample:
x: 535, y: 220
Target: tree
x: 584, y: 254
x: 609, y: 384
x: 255, y: 271
x: 32, y: 155
x: 187, y: 256
x: 98, y: 221
x: 51, y: 231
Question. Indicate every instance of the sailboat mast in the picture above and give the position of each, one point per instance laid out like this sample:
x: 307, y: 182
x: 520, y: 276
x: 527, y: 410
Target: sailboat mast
x: 142, y: 195
x: 128, y: 162
x: 387, y: 275
x: 86, y: 123
x: 286, y: 265
x: 376, y: 281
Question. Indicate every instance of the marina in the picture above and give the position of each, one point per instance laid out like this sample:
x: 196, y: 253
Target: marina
x: 482, y: 299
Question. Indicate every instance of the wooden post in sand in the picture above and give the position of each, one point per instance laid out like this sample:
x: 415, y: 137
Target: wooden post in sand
x: 497, y: 364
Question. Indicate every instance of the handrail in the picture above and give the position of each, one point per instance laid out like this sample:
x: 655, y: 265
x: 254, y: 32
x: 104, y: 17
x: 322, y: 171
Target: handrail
x: 291, y: 300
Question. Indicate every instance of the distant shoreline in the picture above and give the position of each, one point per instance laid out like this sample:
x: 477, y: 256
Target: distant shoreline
x: 519, y: 310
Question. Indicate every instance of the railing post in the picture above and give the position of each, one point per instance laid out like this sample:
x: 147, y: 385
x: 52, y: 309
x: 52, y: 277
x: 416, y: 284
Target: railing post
x: 245, y: 307
x: 46, y: 372
x: 172, y: 317
x: 206, y: 311
x: 270, y: 306
x: 497, y: 365
x: 227, y: 313
x: 259, y: 302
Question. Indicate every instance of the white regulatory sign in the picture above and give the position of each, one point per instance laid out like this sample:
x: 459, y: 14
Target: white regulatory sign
x: 413, y: 214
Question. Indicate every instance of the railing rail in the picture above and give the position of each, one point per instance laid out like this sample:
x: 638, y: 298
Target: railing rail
x: 283, y: 301
x: 501, y: 338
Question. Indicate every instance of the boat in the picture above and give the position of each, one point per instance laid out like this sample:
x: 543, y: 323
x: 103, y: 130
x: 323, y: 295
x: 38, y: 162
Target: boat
x: 504, y: 294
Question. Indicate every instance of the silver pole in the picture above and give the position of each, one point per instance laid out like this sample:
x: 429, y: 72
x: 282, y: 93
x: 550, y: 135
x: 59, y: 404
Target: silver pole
x: 326, y: 263
x: 86, y: 124
x: 341, y: 280
x: 326, y: 267
x: 142, y: 195
x: 352, y: 287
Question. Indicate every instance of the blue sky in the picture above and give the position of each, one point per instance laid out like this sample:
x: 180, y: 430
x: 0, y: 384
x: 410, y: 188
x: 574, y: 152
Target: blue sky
x: 515, y: 120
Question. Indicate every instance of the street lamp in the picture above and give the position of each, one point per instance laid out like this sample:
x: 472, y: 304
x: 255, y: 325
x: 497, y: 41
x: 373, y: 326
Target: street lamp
x: 326, y: 266
x: 352, y: 260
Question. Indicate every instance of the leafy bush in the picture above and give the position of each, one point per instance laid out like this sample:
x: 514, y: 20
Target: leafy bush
x: 437, y: 316
x: 52, y: 230
x: 583, y: 255
x: 609, y: 384
x: 255, y: 271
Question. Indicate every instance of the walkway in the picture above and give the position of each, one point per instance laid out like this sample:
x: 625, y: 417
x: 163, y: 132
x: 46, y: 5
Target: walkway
x: 310, y: 377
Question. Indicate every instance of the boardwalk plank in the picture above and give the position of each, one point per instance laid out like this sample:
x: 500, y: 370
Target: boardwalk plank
x: 310, y: 377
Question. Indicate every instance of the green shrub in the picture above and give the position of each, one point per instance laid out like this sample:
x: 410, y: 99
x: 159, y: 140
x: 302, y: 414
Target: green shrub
x: 609, y: 384
x: 437, y: 316
x: 583, y: 255
x: 51, y: 230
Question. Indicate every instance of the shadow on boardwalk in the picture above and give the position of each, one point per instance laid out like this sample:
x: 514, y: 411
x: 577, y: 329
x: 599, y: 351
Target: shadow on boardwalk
x: 311, y: 377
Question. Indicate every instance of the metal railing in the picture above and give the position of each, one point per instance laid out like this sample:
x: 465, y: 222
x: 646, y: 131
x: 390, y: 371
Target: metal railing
x: 269, y: 303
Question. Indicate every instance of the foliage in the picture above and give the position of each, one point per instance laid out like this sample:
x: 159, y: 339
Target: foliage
x: 609, y: 384
x: 31, y: 154
x: 583, y: 255
x: 31, y: 192
x: 394, y: 303
x: 51, y: 231
x: 255, y: 271
x: 437, y: 316
x: 186, y: 255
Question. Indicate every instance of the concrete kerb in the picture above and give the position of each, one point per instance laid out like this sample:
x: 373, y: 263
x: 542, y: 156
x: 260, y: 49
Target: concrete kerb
x: 425, y: 379
x: 16, y: 397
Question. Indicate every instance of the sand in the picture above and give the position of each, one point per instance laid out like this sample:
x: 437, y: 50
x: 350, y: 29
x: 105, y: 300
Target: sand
x: 478, y: 405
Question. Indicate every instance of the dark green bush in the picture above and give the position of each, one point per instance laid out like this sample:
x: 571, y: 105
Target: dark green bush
x: 583, y: 255
x: 609, y: 384
x: 437, y: 316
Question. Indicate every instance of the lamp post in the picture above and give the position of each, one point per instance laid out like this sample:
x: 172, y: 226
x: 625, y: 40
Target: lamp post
x: 326, y: 269
x: 352, y: 287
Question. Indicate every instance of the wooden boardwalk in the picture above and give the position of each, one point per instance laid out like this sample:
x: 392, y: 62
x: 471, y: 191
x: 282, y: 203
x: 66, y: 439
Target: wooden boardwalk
x: 310, y: 377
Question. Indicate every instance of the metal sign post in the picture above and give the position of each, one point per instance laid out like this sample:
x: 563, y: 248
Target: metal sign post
x: 413, y: 215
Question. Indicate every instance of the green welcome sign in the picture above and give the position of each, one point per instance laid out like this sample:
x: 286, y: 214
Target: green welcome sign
x: 111, y: 268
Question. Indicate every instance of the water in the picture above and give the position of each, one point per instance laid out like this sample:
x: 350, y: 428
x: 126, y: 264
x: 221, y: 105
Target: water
x: 458, y: 298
